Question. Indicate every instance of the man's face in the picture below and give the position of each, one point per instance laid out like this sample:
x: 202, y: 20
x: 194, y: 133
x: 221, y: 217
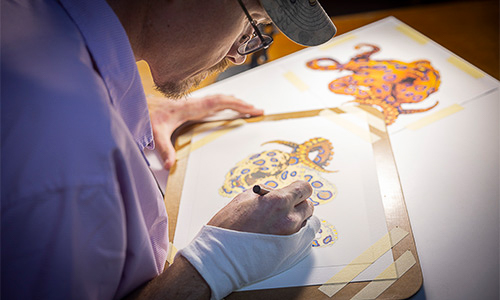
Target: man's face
x: 188, y: 40
x: 179, y: 89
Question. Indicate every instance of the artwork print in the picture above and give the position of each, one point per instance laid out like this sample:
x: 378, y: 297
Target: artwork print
x: 389, y: 85
x: 339, y: 165
x: 276, y: 169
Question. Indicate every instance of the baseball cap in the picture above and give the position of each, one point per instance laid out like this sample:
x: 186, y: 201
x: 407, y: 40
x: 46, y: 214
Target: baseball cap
x: 303, y: 21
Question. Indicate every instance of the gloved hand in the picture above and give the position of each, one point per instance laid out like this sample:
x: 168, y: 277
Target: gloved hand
x: 229, y: 259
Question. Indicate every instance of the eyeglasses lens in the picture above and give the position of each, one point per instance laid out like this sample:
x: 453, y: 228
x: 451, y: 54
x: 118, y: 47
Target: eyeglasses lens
x: 255, y: 44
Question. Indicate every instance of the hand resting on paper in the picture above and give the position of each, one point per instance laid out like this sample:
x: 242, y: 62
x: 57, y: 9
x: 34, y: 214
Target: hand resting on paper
x: 167, y: 115
x: 254, y: 237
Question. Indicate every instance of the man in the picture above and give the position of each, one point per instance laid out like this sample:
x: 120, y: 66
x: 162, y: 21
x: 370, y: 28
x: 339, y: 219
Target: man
x: 82, y: 217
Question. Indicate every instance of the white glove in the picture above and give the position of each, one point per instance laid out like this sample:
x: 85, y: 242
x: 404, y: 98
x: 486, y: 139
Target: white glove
x: 229, y: 260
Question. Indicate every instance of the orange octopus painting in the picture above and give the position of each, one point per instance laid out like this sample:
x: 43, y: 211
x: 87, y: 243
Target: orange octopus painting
x: 276, y: 168
x: 386, y: 84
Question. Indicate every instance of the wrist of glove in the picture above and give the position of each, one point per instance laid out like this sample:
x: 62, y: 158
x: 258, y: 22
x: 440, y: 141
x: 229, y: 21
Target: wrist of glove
x: 229, y: 260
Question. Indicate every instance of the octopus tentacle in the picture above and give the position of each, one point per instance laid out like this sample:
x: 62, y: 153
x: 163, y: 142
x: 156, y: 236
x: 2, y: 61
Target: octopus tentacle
x: 292, y: 145
x: 315, y: 64
x: 391, y: 112
x: 412, y: 111
x: 322, y: 159
x: 300, y: 153
x: 365, y: 55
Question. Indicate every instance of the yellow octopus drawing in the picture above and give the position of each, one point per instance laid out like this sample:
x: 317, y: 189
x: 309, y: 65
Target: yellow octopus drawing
x: 386, y: 84
x: 276, y: 168
x: 326, y: 236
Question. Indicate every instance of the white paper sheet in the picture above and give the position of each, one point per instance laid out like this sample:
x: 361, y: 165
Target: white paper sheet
x: 266, y: 86
x: 356, y: 212
x: 449, y: 172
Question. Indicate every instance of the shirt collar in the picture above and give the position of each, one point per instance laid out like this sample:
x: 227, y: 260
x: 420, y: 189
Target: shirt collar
x: 110, y: 48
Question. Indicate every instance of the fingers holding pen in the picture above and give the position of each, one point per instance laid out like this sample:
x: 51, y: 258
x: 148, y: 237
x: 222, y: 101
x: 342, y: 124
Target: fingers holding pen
x: 298, y: 188
x: 295, y: 193
x: 281, y: 211
x: 292, y: 201
x: 305, y: 209
x: 298, y: 192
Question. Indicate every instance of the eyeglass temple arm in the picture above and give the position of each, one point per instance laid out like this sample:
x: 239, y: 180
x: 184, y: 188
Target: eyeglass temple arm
x: 252, y: 22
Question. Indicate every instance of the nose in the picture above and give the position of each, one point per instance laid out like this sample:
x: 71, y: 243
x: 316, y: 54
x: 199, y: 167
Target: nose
x: 234, y: 56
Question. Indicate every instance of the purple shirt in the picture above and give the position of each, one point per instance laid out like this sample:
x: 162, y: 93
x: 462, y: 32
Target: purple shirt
x: 82, y: 216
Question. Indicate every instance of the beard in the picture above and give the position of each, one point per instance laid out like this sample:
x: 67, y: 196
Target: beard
x: 178, y: 90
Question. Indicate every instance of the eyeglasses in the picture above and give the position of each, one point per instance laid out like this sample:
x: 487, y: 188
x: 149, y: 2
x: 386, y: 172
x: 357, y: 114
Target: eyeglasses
x: 258, y: 41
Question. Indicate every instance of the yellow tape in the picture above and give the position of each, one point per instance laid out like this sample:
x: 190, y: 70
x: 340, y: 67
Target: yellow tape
x: 183, y: 139
x: 216, y: 134
x: 204, y: 127
x: 365, y: 134
x: 465, y: 66
x: 363, y: 261
x: 337, y: 41
x: 182, y: 153
x: 296, y: 81
x: 412, y: 33
x: 374, y: 121
x: 380, y: 283
x: 172, y: 251
x: 230, y: 125
x: 443, y: 113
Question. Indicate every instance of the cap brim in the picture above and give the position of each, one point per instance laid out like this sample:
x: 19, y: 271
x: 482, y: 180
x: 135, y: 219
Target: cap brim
x: 304, y: 23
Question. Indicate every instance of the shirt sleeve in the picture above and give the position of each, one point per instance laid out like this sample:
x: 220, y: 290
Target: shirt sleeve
x: 66, y: 244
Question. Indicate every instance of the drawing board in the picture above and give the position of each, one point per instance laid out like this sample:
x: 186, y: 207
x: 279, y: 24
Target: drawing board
x: 334, y: 154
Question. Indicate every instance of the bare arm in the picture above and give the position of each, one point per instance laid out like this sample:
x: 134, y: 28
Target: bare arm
x: 280, y: 212
x: 179, y: 281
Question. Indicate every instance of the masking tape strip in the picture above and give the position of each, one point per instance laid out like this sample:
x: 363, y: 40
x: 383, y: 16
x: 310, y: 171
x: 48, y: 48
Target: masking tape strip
x: 210, y: 137
x: 379, y: 284
x: 365, y: 134
x: 172, y: 251
x: 216, y: 134
x: 183, y: 140
x: 372, y: 119
x: 362, y: 262
x: 413, y: 34
x: 427, y: 120
x: 296, y: 81
x: 337, y: 41
x: 204, y: 127
x: 182, y: 153
x: 465, y: 66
